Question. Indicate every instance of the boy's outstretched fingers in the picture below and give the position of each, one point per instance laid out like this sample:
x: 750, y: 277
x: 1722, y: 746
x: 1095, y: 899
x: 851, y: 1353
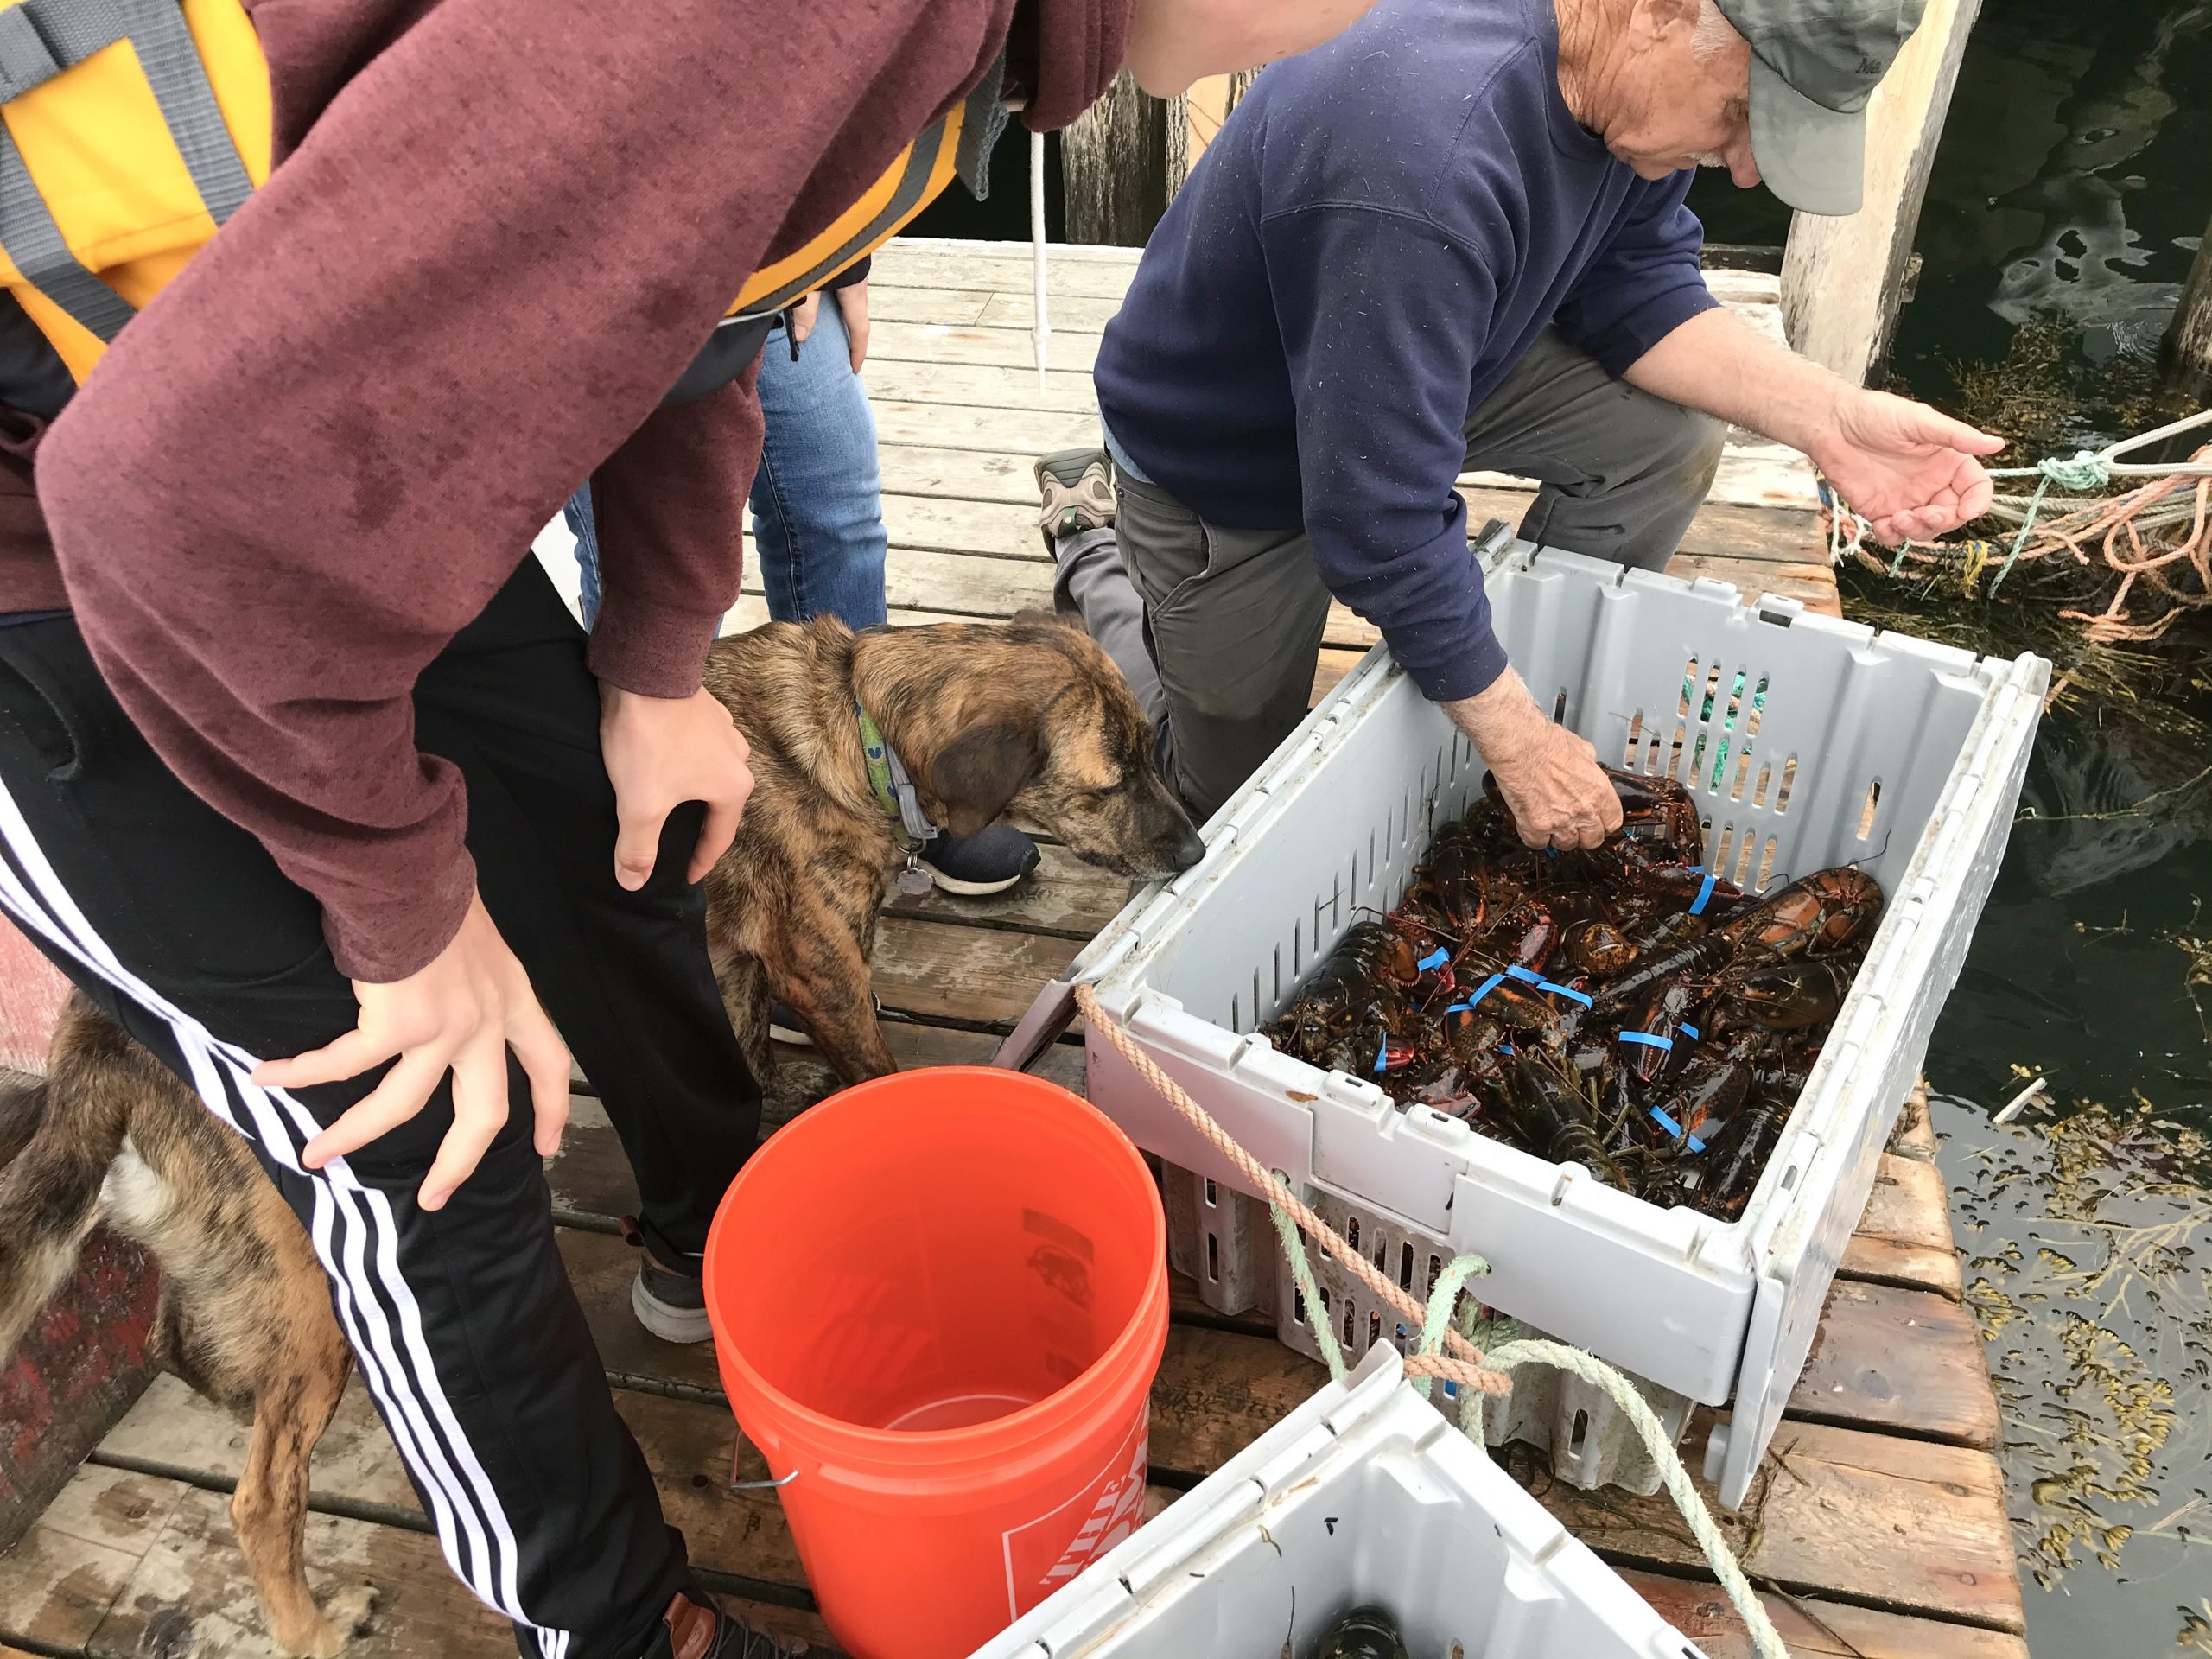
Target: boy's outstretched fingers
x: 461, y: 1011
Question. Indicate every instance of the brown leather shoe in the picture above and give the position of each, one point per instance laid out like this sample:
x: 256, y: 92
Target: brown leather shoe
x: 696, y: 1627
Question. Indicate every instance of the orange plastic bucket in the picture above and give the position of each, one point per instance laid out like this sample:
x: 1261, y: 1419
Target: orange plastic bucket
x: 938, y: 1300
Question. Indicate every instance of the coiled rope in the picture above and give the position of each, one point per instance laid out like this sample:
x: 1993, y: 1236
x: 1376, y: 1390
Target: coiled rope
x: 2180, y: 493
x: 1480, y: 1374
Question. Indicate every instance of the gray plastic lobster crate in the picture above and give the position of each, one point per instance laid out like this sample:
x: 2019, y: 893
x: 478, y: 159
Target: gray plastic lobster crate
x: 1806, y: 741
x: 1364, y: 1495
x: 1211, y: 1228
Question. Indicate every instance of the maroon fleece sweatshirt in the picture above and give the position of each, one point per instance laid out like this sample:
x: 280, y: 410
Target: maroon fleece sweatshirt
x: 497, y: 231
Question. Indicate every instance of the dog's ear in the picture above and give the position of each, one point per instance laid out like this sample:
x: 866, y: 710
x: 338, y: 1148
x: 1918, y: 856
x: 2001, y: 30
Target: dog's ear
x: 981, y: 770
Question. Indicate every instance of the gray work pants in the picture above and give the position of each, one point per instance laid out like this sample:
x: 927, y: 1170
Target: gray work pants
x: 1219, y: 630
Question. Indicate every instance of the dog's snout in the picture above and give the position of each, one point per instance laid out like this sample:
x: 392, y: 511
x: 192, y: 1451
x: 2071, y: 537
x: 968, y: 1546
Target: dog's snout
x: 1186, y: 848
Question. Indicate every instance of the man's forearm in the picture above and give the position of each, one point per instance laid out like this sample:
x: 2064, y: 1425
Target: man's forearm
x: 668, y: 507
x: 1718, y: 363
x: 1498, y: 717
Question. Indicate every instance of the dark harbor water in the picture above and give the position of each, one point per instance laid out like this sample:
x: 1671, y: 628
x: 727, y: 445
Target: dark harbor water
x: 2073, y: 182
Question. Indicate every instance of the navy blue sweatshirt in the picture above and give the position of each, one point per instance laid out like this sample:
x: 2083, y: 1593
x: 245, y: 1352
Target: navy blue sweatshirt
x: 1375, y: 238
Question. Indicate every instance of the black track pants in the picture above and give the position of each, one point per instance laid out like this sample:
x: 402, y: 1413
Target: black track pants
x: 181, y: 927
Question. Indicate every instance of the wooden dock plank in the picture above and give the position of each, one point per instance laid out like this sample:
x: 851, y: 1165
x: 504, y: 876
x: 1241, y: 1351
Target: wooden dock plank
x: 966, y: 973
x: 1001, y: 529
x: 1906, y: 1238
x: 1905, y: 1360
x: 959, y: 474
x: 949, y: 307
x: 1025, y: 432
x: 956, y: 582
x: 186, y: 1594
x: 59, y: 1580
x: 1815, y: 1628
x: 1904, y: 1525
x: 982, y: 385
x: 936, y: 342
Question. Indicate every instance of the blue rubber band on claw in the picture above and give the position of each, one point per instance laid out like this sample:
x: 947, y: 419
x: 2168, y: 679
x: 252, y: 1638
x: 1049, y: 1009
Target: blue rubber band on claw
x: 1583, y: 997
x: 1649, y: 1039
x: 1433, y: 960
x: 1382, y: 1057
x: 1668, y: 1123
x: 1484, y: 990
x: 1526, y: 975
x: 1689, y: 1030
x: 1704, y: 894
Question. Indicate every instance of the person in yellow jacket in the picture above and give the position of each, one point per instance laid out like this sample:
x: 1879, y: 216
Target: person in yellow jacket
x: 306, y: 775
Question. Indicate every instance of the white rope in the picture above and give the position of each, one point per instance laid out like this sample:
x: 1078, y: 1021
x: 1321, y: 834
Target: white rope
x: 1041, y: 329
x: 1766, y: 1641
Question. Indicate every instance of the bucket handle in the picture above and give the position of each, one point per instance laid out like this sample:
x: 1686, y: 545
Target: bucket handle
x: 737, y: 1485
x: 1052, y: 1013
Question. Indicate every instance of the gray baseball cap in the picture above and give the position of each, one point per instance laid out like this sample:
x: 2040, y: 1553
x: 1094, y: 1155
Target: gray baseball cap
x: 1815, y: 63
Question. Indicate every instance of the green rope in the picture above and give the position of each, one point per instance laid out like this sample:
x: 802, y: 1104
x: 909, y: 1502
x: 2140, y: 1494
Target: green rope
x: 1441, y: 1300
x: 1766, y: 1641
x: 1301, y: 1273
x: 2082, y: 471
x: 2027, y: 524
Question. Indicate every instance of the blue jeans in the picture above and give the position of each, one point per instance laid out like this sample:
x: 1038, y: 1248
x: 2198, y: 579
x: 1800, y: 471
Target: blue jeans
x: 818, y: 499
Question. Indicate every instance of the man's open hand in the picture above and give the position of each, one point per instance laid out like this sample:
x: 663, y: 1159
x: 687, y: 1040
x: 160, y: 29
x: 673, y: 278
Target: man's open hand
x: 1912, y: 473
x: 660, y: 753
x: 460, y: 1013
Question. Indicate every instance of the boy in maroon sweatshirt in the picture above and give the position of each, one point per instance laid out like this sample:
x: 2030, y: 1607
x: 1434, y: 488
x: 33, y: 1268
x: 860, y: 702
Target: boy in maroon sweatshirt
x: 305, y: 776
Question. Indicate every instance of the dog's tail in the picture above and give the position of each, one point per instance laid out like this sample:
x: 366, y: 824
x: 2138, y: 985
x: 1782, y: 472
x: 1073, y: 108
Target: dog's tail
x: 49, y: 1196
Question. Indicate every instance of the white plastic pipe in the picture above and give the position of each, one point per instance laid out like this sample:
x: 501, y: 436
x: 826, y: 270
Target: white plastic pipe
x: 1043, y: 329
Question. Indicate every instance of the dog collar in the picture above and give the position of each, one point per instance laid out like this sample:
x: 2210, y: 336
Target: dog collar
x: 894, y: 792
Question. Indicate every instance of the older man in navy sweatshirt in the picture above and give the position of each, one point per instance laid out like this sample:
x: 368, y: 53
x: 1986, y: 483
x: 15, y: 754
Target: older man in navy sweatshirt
x: 1455, y: 237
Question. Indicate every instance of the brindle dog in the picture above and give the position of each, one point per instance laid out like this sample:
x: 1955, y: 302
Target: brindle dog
x: 1030, y: 721
x: 111, y: 1135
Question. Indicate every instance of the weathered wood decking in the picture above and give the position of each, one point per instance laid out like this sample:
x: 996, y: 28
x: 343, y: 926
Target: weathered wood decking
x: 1878, y: 1527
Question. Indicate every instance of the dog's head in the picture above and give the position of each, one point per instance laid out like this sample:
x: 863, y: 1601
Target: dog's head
x: 1033, y: 721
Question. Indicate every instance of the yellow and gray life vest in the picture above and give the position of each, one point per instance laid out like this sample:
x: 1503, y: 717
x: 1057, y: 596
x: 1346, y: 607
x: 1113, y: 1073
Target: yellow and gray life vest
x: 131, y: 129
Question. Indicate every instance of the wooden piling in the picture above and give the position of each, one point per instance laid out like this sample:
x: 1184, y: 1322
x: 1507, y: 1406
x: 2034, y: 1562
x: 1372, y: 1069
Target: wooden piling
x: 1122, y: 162
x: 2188, y: 342
x: 1843, y: 279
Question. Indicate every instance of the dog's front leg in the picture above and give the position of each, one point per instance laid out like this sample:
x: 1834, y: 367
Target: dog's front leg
x: 821, y: 974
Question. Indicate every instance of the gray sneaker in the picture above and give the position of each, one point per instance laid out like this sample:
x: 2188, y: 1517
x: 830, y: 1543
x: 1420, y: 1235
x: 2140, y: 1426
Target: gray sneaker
x: 989, y: 862
x: 669, y: 1301
x: 1077, y: 489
